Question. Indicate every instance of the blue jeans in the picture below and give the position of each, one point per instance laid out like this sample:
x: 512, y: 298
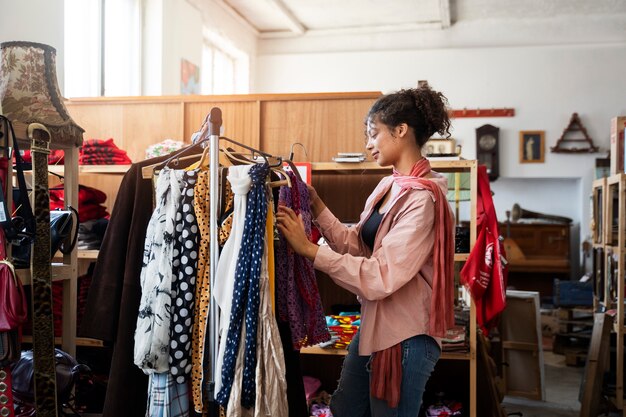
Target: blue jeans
x: 352, y: 397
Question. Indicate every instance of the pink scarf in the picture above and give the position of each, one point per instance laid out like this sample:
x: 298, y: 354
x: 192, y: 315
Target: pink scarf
x: 387, y: 364
x: 442, y: 300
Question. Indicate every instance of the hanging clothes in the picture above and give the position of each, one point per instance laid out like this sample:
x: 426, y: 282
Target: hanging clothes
x: 168, y: 398
x: 185, y: 260
x: 152, y: 335
x: 298, y: 298
x: 485, y: 274
x: 246, y: 293
x: 200, y: 335
x: 240, y: 181
x: 270, y: 369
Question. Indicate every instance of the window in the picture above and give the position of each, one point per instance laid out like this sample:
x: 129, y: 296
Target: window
x: 102, y: 48
x: 225, y: 69
x: 82, y: 53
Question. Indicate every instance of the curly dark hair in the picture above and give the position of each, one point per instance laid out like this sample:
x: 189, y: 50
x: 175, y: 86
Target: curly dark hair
x: 423, y: 109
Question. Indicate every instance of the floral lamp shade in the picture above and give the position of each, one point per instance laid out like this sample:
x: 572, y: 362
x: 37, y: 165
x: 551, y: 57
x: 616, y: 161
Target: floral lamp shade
x: 29, y: 92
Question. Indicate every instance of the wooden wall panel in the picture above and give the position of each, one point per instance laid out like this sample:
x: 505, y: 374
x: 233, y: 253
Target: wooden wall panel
x: 323, y: 126
x: 326, y: 123
x: 133, y: 125
x: 240, y: 119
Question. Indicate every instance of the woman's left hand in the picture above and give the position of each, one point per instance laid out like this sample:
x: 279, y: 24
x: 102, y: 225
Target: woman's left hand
x: 292, y: 228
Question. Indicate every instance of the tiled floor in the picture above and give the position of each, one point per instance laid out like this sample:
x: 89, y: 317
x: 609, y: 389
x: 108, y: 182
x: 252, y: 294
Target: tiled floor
x: 562, y: 385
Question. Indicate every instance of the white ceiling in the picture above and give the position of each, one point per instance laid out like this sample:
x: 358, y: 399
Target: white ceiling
x: 295, y: 18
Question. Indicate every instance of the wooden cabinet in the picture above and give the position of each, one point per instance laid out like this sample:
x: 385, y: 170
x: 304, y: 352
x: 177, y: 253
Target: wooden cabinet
x: 537, y: 253
x: 609, y: 245
x: 344, y: 188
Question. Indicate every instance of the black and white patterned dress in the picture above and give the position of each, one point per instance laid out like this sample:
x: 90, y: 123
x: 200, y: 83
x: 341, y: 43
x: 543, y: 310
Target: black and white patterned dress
x: 152, y: 334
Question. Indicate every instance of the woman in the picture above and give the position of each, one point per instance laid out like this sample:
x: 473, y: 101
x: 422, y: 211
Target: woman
x: 398, y: 260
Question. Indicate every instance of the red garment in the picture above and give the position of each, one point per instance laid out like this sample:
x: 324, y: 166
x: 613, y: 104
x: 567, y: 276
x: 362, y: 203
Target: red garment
x: 102, y: 152
x: 56, y: 157
x: 485, y: 274
x: 89, y: 203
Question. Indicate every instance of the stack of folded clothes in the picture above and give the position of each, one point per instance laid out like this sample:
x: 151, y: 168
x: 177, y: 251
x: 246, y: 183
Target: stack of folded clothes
x: 342, y: 328
x: 92, y: 215
x: 455, y: 340
x: 102, y: 152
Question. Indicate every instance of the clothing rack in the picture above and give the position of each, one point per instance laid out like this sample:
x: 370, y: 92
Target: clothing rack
x: 215, y: 123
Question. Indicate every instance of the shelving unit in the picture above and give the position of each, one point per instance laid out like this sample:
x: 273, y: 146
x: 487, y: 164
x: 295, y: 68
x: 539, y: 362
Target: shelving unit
x: 609, y: 241
x: 64, y: 268
x: 327, y: 178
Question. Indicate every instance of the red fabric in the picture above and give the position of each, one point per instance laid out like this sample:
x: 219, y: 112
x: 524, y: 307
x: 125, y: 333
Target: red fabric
x: 102, y: 152
x: 484, y: 274
x: 442, y: 301
x: 387, y: 365
x: 89, y: 203
x: 57, y: 156
x: 13, y: 307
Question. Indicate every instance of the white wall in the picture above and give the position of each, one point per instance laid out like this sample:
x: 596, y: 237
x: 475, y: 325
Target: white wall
x: 225, y: 23
x: 34, y: 21
x: 182, y: 39
x: 544, y: 84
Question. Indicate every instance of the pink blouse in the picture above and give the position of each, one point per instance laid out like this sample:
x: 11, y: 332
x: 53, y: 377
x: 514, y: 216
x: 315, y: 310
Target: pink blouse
x: 394, y: 280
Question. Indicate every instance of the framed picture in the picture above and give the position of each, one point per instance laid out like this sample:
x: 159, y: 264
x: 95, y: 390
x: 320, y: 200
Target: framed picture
x: 531, y: 146
x: 440, y: 147
x: 189, y: 77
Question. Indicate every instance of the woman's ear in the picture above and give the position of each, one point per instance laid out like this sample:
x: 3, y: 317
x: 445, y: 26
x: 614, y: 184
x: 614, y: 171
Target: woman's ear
x: 401, y: 130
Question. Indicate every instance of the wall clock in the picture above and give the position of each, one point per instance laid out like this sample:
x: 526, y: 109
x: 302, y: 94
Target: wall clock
x: 487, y: 149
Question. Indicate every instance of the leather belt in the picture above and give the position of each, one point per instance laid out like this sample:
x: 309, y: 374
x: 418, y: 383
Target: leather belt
x: 41, y: 294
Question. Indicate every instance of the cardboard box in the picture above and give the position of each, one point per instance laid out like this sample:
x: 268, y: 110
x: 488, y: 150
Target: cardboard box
x: 618, y: 124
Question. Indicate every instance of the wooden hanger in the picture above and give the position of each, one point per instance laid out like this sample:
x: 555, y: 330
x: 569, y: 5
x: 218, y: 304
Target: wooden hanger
x: 293, y: 168
x: 280, y: 183
x: 188, y: 153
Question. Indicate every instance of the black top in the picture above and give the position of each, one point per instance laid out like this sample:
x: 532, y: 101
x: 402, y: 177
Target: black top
x: 370, y: 226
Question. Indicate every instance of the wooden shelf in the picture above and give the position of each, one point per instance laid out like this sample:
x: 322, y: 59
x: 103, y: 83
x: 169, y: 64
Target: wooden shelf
x: 80, y: 341
x: 443, y: 166
x: 461, y: 257
x: 82, y: 254
x: 88, y: 254
x: 59, y: 272
x: 316, y: 350
x: 93, y: 169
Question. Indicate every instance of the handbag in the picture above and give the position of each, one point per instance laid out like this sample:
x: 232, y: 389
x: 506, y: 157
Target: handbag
x: 13, y: 307
x: 67, y: 370
x: 62, y: 223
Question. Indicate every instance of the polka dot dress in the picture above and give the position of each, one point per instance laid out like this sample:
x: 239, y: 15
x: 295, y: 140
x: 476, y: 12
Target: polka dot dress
x: 246, y: 294
x: 185, y: 260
